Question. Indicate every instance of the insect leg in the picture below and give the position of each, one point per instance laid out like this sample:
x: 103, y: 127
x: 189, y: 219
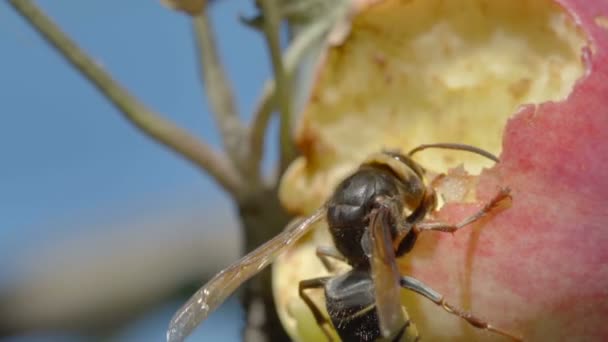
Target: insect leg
x: 503, y: 194
x: 325, y: 252
x: 322, y: 321
x: 407, y: 233
x: 408, y: 333
x: 421, y: 288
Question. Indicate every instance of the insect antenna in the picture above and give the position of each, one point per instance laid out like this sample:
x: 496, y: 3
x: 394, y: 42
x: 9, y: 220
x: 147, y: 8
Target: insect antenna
x: 453, y: 146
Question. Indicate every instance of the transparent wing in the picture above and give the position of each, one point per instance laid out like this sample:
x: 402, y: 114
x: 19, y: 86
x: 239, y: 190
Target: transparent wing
x: 385, y: 275
x: 215, y: 292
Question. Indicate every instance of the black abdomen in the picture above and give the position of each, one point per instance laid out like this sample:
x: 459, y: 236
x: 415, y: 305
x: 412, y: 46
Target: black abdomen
x: 350, y: 301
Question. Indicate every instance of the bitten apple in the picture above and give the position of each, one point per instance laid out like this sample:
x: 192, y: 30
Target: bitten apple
x: 527, y: 80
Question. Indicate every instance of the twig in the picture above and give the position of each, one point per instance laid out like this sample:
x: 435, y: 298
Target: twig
x: 294, y: 54
x: 258, y: 127
x: 272, y: 21
x: 160, y: 129
x: 218, y: 91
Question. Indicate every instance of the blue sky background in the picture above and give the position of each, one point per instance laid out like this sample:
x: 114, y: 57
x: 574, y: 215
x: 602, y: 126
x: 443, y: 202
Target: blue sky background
x: 67, y: 156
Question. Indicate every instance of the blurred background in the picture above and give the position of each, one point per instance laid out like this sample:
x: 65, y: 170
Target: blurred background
x: 104, y: 233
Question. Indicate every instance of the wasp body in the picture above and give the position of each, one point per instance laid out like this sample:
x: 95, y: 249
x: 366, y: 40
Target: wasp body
x: 374, y: 216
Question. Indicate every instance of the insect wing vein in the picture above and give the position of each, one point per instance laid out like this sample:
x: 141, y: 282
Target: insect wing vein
x: 215, y: 292
x: 385, y: 275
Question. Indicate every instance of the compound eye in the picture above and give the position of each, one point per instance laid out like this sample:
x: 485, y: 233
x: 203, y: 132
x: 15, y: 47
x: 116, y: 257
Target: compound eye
x: 400, y: 157
x: 419, y: 170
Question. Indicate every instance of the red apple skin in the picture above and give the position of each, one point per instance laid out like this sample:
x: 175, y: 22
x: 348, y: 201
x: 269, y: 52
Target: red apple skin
x: 540, y: 267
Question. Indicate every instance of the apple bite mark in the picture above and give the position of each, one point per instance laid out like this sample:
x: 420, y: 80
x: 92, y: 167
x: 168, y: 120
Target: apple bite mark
x: 555, y: 233
x: 525, y: 78
x: 458, y: 71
